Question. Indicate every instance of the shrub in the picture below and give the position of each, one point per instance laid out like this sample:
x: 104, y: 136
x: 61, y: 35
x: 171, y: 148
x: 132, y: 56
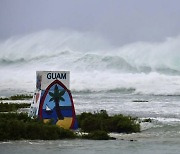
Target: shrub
x: 89, y: 122
x: 5, y: 107
x: 14, y: 126
x: 18, y: 97
x: 147, y: 120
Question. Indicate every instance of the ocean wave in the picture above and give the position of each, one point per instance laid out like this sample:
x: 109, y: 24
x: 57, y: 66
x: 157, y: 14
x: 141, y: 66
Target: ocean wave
x: 87, y: 51
x: 11, y: 61
x: 140, y: 68
x: 85, y: 62
x: 116, y: 90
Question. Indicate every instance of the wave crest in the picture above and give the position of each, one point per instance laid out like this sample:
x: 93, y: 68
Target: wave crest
x: 141, y: 68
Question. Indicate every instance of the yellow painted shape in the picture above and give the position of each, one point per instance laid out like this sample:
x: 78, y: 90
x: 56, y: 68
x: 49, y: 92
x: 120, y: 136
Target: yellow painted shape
x: 66, y: 123
x: 46, y: 120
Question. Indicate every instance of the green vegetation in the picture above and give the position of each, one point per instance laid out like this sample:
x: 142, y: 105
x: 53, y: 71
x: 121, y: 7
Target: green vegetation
x: 14, y: 126
x: 147, y: 120
x: 5, y: 107
x: 18, y: 97
x: 89, y: 122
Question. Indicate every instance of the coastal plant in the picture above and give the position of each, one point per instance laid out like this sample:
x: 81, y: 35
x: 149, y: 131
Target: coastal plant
x: 6, y: 107
x: 97, y: 125
x: 17, y: 97
x: 89, y: 122
x: 15, y: 126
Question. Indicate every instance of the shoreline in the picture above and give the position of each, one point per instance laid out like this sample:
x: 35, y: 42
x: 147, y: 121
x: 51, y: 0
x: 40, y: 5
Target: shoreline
x: 96, y: 131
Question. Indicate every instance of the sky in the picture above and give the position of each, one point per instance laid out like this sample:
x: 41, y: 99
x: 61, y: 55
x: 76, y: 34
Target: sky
x: 119, y: 21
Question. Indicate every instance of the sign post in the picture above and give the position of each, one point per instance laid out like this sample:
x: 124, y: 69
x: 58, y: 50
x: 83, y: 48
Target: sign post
x: 53, y: 99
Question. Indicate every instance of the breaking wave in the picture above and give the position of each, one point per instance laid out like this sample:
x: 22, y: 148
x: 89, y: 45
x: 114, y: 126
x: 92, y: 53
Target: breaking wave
x: 95, y: 65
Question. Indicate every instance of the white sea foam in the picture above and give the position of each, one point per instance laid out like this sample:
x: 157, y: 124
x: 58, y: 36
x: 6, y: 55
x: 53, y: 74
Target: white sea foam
x: 148, y: 68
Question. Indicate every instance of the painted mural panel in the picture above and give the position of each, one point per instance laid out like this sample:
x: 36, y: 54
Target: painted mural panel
x: 57, y: 105
x: 53, y: 100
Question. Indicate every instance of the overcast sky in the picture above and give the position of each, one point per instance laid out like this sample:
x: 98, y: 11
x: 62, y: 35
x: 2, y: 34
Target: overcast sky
x: 119, y: 21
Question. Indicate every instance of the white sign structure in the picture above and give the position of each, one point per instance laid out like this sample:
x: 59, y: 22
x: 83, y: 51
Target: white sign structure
x: 53, y: 100
x: 44, y: 78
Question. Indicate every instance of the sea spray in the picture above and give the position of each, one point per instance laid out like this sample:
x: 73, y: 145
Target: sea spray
x: 154, y: 56
x: 148, y: 68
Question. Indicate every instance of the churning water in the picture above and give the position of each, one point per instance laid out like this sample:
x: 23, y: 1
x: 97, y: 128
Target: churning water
x: 140, y: 79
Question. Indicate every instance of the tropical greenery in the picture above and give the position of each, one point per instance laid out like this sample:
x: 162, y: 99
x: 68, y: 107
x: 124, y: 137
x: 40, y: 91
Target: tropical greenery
x: 17, y: 97
x: 56, y: 97
x: 6, y: 107
x: 97, y: 125
x: 89, y: 122
x: 147, y: 120
x: 14, y: 126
